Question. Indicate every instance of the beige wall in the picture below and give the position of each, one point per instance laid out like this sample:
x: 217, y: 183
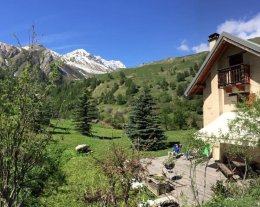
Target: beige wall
x: 254, y: 63
x: 217, y: 101
x: 211, y: 108
x: 220, y: 148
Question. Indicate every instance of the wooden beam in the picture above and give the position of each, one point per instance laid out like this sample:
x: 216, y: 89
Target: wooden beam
x: 200, y: 86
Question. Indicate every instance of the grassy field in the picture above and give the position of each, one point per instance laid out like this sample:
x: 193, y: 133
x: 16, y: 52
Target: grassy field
x: 80, y: 170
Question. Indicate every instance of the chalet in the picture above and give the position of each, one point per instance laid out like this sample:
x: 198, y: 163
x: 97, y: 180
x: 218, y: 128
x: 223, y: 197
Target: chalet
x: 230, y: 71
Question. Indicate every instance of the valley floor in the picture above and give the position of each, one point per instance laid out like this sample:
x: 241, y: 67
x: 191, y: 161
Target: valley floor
x: 80, y: 170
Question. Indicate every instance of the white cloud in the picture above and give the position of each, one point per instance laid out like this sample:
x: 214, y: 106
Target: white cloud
x: 200, y: 48
x: 245, y: 29
x: 184, y: 46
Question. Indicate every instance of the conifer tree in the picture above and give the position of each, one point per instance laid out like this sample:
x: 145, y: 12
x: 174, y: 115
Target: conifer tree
x: 144, y: 127
x: 85, y: 113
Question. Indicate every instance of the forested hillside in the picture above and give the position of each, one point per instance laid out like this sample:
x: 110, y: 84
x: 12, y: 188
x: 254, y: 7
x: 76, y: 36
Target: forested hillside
x: 114, y: 92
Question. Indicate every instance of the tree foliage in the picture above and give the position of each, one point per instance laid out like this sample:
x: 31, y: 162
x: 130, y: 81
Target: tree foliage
x: 23, y: 139
x: 242, y: 144
x: 179, y: 118
x: 144, y: 128
x: 244, y: 134
x: 129, y: 83
x: 122, y: 77
x: 120, y: 99
x: 85, y: 113
x: 164, y: 84
x: 245, y: 127
x: 120, y: 168
x: 180, y: 90
x: 180, y: 77
x: 131, y: 89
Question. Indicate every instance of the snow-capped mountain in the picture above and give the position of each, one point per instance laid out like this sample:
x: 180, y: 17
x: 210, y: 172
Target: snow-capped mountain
x: 76, y: 64
x: 92, y: 64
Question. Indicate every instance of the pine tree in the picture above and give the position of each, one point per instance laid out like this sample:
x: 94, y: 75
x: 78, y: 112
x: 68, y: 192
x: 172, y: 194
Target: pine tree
x: 85, y: 113
x: 144, y: 127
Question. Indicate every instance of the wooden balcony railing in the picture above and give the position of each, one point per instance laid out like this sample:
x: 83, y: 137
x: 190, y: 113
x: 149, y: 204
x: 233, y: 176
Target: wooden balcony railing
x: 234, y: 75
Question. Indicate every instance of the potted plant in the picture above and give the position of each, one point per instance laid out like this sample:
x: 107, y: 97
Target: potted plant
x: 158, y: 185
x: 159, y: 178
x: 169, y: 163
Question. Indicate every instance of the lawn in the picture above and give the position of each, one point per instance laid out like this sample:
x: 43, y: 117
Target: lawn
x: 80, y: 170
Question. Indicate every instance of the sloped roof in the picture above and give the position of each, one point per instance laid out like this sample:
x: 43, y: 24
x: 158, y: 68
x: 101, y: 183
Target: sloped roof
x: 220, y: 131
x: 222, y: 43
x: 219, y: 126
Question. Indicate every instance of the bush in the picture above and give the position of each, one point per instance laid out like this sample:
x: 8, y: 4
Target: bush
x: 180, y: 77
x: 180, y: 90
x: 118, y: 120
x: 165, y: 97
x: 132, y: 89
x: 110, y: 76
x: 232, y: 195
x: 173, y: 85
x: 220, y: 189
x: 120, y: 99
x: 163, y: 84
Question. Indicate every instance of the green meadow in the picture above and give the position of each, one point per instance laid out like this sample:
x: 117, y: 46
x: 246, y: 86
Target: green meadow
x: 80, y: 171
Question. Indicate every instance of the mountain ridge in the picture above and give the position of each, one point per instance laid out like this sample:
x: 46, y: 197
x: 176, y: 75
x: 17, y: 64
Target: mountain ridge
x: 76, y: 64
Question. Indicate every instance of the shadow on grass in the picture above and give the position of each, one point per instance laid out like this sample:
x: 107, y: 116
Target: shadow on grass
x: 170, y: 144
x: 54, y: 132
x: 105, y: 137
x: 165, y: 145
x: 58, y: 127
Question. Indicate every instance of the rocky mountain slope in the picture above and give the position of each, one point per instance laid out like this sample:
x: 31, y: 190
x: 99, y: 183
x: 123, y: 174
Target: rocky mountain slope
x: 114, y: 92
x: 74, y: 65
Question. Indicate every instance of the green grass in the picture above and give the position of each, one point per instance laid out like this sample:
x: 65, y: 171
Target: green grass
x: 80, y: 170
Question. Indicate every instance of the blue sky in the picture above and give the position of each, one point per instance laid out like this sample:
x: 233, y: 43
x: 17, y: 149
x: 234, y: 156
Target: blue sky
x: 133, y: 31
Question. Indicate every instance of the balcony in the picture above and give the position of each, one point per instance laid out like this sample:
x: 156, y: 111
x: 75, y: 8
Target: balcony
x: 234, y: 76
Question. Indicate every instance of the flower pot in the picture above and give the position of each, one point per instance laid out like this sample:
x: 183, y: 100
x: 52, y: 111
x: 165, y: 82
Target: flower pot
x: 158, y: 187
x: 169, y: 166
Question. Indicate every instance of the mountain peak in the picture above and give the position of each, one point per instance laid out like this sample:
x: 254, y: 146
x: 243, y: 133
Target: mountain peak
x: 87, y: 61
x: 76, y: 64
x: 80, y: 52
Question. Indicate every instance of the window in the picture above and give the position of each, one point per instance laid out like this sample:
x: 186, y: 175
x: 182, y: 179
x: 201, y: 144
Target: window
x: 234, y: 63
x: 235, y: 59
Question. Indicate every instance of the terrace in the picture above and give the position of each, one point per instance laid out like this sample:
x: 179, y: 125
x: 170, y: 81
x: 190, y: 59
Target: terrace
x: 180, y: 180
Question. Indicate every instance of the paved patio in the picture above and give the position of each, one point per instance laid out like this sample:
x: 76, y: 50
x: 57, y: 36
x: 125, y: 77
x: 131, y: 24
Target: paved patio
x: 180, y: 178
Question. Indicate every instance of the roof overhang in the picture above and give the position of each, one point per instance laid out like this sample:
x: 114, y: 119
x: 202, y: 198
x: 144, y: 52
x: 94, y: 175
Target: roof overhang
x: 224, y: 41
